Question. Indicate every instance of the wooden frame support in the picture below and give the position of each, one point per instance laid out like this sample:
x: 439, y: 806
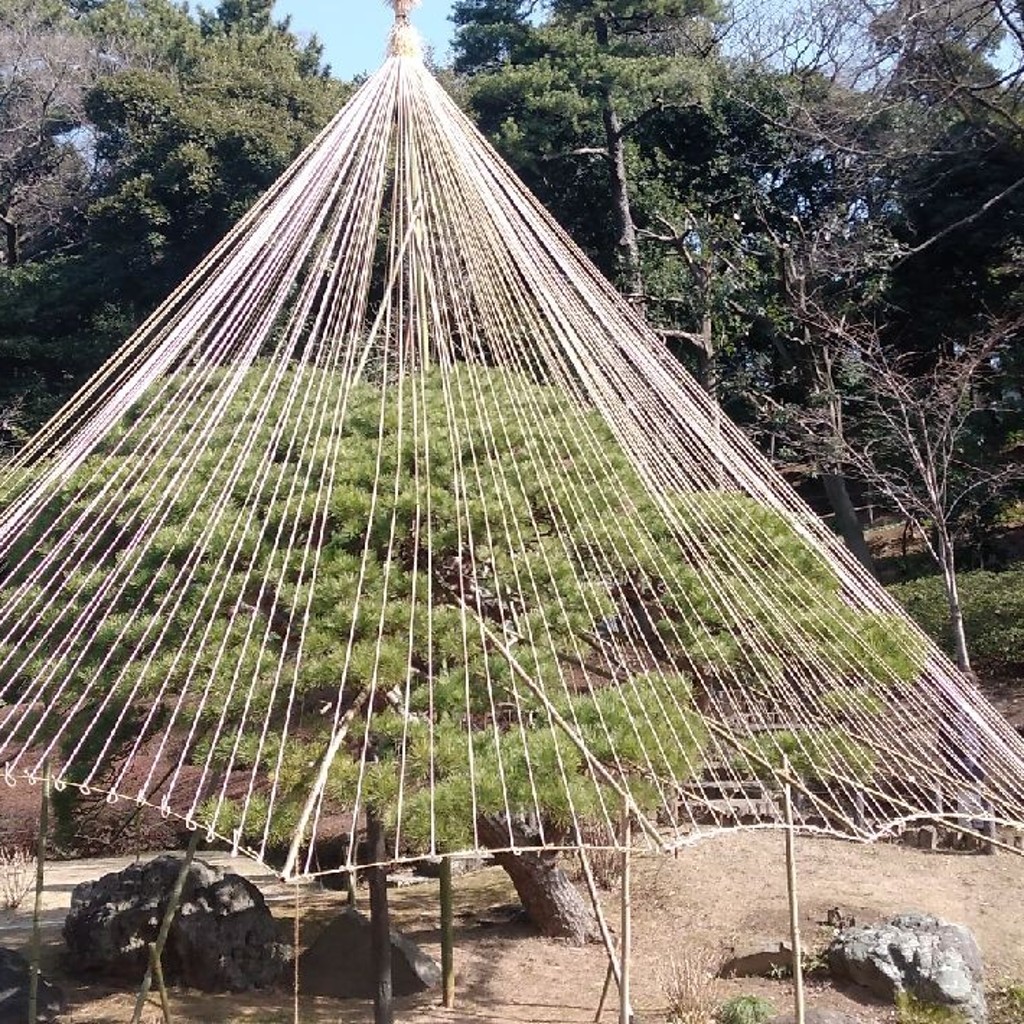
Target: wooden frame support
x: 794, y: 905
x: 153, y: 969
x: 447, y: 934
x: 37, y: 909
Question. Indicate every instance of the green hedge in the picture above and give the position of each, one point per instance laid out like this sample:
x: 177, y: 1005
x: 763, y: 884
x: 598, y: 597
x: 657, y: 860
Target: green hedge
x: 993, y: 604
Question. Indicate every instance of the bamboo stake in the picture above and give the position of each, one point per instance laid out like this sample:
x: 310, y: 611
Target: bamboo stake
x: 158, y: 974
x: 447, y: 934
x: 606, y: 937
x: 37, y: 909
x: 609, y: 976
x: 794, y: 908
x: 602, y: 924
x: 165, y: 927
x: 626, y: 939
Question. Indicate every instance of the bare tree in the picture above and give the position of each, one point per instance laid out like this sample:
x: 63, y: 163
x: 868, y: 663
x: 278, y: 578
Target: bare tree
x: 912, y: 436
x: 46, y: 70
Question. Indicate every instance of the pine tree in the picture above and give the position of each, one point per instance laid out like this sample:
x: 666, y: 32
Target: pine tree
x: 417, y: 544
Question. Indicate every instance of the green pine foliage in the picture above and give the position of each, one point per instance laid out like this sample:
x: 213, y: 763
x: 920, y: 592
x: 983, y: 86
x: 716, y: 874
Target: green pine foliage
x: 536, y: 526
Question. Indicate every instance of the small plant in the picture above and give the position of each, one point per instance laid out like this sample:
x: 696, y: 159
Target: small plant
x: 17, y: 872
x: 605, y: 865
x: 910, y: 1010
x: 691, y: 987
x: 745, y: 1010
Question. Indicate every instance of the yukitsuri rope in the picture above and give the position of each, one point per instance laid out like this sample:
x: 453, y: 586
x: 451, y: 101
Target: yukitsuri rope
x: 395, y: 504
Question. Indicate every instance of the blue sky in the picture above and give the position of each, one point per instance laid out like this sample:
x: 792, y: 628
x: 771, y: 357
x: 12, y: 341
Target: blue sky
x: 355, y: 32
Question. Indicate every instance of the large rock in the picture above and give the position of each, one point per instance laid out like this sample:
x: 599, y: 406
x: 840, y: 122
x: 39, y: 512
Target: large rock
x: 223, y: 938
x: 934, y: 961
x: 15, y: 974
x: 338, y: 963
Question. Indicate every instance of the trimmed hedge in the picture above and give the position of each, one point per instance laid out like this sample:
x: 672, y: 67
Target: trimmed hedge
x: 993, y: 604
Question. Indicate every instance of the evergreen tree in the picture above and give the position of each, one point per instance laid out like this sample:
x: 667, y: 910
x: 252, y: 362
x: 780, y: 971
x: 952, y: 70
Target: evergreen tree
x: 409, y: 562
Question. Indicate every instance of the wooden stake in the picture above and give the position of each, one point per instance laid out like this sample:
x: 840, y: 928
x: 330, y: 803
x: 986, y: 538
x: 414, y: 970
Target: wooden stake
x: 626, y: 938
x: 794, y: 908
x: 37, y: 910
x: 158, y: 974
x: 609, y: 977
x: 380, y: 923
x: 447, y: 934
x: 165, y: 927
x: 612, y: 973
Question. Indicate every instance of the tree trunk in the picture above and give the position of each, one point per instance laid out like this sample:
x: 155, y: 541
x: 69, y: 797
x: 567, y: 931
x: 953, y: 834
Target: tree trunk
x: 550, y: 899
x: 706, y: 375
x: 823, y: 386
x: 846, y: 518
x: 947, y: 556
x: 627, y: 244
x: 12, y: 241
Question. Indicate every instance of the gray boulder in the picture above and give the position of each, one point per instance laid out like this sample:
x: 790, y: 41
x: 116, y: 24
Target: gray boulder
x: 15, y: 973
x: 338, y: 962
x: 223, y: 939
x: 936, y: 962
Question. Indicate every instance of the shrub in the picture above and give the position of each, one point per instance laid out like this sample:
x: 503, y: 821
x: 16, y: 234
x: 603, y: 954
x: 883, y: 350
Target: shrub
x: 690, y: 987
x: 1007, y: 1005
x: 17, y: 874
x: 745, y: 1010
x: 993, y: 607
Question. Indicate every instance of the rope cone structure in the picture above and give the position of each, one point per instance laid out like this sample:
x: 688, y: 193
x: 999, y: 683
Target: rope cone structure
x: 396, y: 507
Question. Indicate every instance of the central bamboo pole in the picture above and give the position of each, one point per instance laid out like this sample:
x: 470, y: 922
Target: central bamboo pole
x: 794, y: 907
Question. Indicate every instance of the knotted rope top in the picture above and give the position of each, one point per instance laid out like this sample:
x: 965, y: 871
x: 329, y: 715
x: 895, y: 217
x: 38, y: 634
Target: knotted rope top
x: 404, y: 41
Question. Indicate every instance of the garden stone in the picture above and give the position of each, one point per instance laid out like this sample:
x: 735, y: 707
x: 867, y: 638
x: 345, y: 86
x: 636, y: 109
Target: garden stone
x: 15, y: 973
x: 934, y: 961
x: 338, y: 962
x: 223, y: 938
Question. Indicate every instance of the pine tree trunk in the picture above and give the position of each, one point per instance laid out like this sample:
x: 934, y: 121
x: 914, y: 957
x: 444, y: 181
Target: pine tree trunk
x: 12, y: 241
x: 550, y: 899
x: 627, y: 243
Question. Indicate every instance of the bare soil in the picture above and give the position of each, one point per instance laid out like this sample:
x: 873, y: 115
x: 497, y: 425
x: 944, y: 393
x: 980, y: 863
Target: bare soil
x: 726, y: 892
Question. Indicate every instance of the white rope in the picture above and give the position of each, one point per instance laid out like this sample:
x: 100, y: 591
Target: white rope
x: 395, y: 505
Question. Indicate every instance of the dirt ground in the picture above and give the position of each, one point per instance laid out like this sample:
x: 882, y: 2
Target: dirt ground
x: 726, y: 892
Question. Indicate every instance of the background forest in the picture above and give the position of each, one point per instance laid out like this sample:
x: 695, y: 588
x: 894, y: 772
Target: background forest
x: 819, y: 206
